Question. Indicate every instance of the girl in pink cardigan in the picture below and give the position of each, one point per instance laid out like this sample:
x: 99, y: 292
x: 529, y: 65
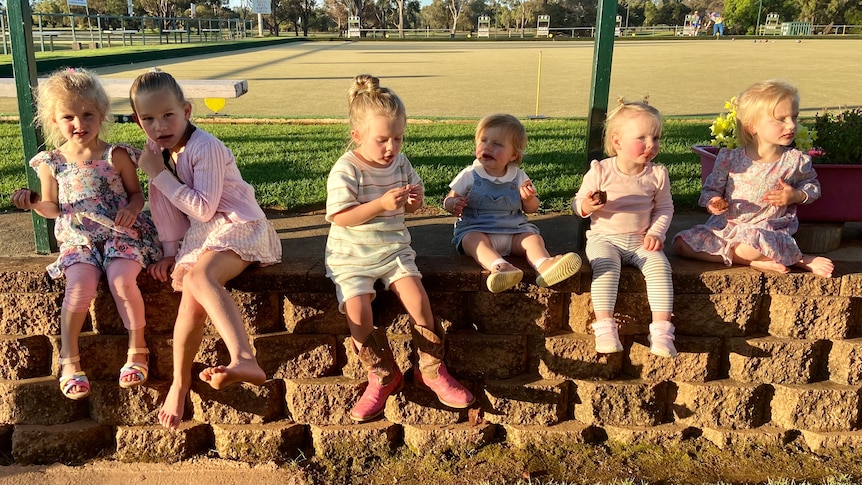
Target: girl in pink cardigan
x: 198, y: 195
x: 628, y: 201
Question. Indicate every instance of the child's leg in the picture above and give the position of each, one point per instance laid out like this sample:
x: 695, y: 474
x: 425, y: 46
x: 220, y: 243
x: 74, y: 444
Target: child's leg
x: 606, y: 264
x: 657, y: 273
x: 746, y: 255
x: 481, y: 247
x: 123, y: 282
x: 384, y: 376
x: 81, y: 282
x: 683, y: 249
x: 816, y: 264
x: 206, y: 282
x: 188, y: 334
x: 551, y: 270
x: 430, y: 347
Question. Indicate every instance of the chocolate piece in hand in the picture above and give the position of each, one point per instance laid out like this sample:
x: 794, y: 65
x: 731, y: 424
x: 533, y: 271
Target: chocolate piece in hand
x: 600, y: 197
x: 34, y: 197
x: 721, y: 205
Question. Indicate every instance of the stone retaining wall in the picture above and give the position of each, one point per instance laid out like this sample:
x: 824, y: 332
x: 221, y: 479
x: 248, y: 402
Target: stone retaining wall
x: 763, y: 358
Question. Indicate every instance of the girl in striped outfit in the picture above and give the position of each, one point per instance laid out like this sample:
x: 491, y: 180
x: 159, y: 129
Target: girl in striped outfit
x: 628, y: 201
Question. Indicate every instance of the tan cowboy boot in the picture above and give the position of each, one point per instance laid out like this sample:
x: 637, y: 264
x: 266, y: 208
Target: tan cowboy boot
x: 384, y: 376
x: 432, y: 372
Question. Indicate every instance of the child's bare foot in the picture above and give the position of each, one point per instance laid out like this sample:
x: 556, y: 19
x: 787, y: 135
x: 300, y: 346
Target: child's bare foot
x: 171, y: 414
x: 220, y: 376
x: 817, y: 264
x: 769, y: 265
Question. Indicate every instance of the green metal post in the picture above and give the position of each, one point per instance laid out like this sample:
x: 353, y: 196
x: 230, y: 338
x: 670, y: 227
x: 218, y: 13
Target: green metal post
x: 603, y: 54
x: 24, y: 69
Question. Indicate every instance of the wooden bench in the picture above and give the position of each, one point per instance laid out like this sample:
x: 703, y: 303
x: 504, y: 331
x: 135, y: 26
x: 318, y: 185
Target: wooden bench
x: 122, y: 33
x: 177, y: 34
x: 192, y: 88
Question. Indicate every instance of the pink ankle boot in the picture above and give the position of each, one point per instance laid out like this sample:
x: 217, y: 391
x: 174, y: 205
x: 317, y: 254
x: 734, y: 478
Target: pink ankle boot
x: 384, y: 377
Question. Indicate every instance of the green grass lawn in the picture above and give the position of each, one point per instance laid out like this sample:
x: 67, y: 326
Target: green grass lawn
x: 288, y: 164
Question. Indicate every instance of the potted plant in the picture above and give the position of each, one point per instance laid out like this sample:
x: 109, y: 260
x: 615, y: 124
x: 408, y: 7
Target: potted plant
x: 835, y: 146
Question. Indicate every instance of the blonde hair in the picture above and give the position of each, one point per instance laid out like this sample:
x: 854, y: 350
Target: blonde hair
x: 622, y: 113
x: 155, y: 80
x: 67, y: 85
x: 759, y: 101
x: 511, y: 127
x: 365, y: 97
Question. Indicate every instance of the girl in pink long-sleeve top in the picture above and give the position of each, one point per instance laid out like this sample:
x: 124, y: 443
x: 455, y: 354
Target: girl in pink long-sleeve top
x: 198, y: 195
x: 628, y: 201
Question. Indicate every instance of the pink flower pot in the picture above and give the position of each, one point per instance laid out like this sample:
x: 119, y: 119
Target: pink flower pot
x: 839, y: 183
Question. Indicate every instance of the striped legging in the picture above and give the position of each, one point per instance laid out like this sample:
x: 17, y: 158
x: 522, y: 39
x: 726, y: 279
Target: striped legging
x: 607, y: 254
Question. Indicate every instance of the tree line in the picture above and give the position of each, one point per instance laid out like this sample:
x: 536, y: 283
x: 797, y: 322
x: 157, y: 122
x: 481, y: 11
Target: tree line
x: 304, y: 16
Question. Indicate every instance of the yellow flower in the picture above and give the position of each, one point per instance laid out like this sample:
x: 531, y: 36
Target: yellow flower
x: 723, y: 130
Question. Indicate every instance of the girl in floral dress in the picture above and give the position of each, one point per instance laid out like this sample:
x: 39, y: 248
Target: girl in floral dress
x: 91, y: 188
x: 753, y: 190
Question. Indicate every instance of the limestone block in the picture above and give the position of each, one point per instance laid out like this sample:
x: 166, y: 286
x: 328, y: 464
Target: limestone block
x: 28, y: 275
x: 342, y: 443
x: 137, y: 406
x: 278, y: 442
x: 161, y: 356
x: 536, y: 312
x: 693, y: 277
x: 38, y: 401
x: 776, y: 360
x: 766, y: 435
x: 30, y: 313
x: 402, y: 350
x: 72, y: 443
x: 6, y: 438
x: 418, y: 405
x: 562, y: 435
x: 573, y: 356
x: 148, y: 444
x: 621, y: 403
x: 449, y: 273
x: 239, y: 403
x: 822, y: 406
x: 698, y: 361
x: 436, y: 440
x: 313, y: 313
x: 261, y: 311
x: 721, y: 404
x: 482, y: 356
x: 845, y: 362
x: 718, y: 315
x: 24, y: 357
x: 389, y: 312
x: 526, y: 400
x: 288, y: 356
x: 804, y: 317
x: 161, y: 311
x: 851, y: 284
x: 801, y: 284
x: 660, y: 435
x: 297, y: 272
x: 834, y: 440
x: 325, y: 401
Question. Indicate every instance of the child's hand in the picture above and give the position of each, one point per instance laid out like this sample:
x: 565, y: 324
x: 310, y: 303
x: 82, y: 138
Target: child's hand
x: 652, y: 243
x: 395, y: 198
x: 528, y: 191
x: 415, y: 194
x: 125, y: 217
x: 592, y: 204
x: 717, y: 206
x: 161, y: 270
x: 25, y: 198
x: 456, y: 206
x: 781, y: 195
x: 151, y: 161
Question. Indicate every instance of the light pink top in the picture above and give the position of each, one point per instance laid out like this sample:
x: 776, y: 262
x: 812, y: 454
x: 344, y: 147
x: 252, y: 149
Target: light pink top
x: 637, y: 204
x: 210, y: 183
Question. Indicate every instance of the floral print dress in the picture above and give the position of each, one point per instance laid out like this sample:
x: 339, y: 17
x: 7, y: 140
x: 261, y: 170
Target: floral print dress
x: 90, y: 195
x: 749, y: 220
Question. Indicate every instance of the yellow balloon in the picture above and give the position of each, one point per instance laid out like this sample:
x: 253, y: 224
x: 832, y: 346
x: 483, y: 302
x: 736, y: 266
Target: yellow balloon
x: 214, y: 104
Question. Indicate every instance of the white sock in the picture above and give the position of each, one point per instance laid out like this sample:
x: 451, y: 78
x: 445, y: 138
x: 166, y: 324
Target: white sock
x: 539, y: 262
x: 498, y: 261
